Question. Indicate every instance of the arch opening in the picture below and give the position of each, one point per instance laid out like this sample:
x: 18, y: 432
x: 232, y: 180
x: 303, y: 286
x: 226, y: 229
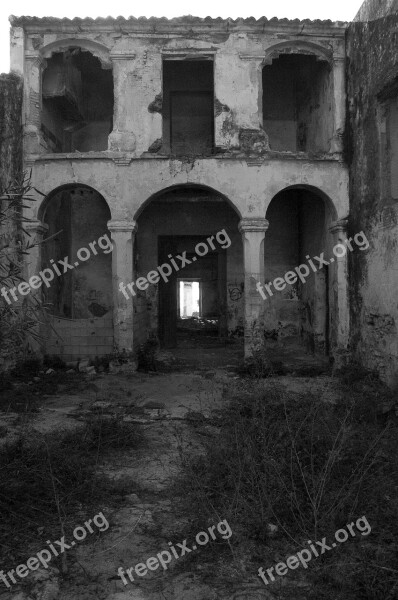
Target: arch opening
x: 201, y: 303
x: 77, y: 102
x: 190, y: 187
x: 77, y: 217
x: 97, y: 49
x: 299, y: 312
x: 297, y: 102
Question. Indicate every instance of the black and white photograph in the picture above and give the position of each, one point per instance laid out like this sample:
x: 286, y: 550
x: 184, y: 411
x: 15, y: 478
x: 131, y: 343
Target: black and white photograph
x: 199, y: 300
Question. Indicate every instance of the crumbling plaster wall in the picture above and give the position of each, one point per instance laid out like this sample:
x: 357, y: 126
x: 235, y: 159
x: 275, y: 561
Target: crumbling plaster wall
x: 136, y: 60
x: 373, y: 58
x: 249, y: 188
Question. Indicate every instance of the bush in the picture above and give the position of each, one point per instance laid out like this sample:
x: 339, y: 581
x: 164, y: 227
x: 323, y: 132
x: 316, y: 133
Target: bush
x: 19, y: 333
x: 311, y: 468
x: 299, y: 463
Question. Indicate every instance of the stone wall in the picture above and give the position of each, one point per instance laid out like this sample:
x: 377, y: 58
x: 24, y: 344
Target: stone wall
x: 376, y: 9
x: 10, y: 127
x: 10, y: 168
x: 10, y: 138
x: 372, y: 91
x: 72, y: 339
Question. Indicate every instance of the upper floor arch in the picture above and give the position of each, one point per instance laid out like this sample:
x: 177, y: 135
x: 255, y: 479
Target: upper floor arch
x: 297, y: 47
x: 98, y: 50
x: 297, y: 97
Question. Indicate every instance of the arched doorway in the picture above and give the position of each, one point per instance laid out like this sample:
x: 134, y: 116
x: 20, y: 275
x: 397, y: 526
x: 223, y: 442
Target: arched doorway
x: 79, y: 255
x: 299, y: 308
x: 203, y: 295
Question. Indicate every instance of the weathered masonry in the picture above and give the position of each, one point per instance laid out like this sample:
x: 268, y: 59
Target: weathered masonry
x: 162, y: 133
x: 373, y: 160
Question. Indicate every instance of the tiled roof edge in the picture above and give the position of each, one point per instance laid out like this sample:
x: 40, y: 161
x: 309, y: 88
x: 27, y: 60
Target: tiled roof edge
x: 188, y: 19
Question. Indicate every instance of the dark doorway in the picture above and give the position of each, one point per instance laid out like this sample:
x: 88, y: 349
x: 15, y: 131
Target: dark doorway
x: 210, y: 272
x: 188, y: 107
x: 191, y: 123
x: 298, y: 316
x: 297, y: 104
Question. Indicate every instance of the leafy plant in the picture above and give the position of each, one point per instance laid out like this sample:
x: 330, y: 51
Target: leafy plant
x: 19, y: 320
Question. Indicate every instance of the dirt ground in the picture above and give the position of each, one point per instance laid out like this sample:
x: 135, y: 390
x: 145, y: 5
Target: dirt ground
x: 163, y: 404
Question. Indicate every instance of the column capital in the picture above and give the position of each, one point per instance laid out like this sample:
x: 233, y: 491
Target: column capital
x: 36, y: 59
x: 253, y: 57
x: 338, y: 60
x: 122, y: 226
x: 35, y: 226
x: 122, y: 56
x: 339, y: 226
x: 248, y: 224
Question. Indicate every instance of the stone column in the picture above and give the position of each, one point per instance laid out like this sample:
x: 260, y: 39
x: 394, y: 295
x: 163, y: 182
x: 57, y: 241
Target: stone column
x: 339, y: 94
x: 122, y: 233
x: 122, y: 138
x: 36, y: 230
x: 253, y: 233
x: 340, y: 291
x: 32, y: 101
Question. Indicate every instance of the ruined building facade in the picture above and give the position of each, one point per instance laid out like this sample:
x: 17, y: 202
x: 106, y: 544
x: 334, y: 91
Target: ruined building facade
x: 162, y: 133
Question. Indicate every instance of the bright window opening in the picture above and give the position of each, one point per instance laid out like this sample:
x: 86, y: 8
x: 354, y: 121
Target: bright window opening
x: 189, y: 295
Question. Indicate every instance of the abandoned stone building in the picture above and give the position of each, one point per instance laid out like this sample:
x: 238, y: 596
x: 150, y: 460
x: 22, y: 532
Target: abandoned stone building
x: 162, y: 133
